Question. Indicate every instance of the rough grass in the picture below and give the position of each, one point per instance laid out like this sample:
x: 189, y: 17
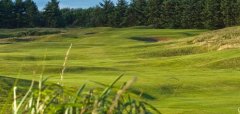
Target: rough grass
x: 7, y: 84
x: 228, y: 38
x: 37, y: 33
x: 55, y: 98
x: 181, y: 75
x: 180, y: 51
x: 228, y: 63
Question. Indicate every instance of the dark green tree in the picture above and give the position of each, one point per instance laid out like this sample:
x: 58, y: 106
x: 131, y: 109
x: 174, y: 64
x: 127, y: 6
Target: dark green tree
x: 155, y: 13
x: 121, y: 13
x: 209, y: 14
x: 32, y: 13
x: 69, y: 16
x: 107, y: 7
x: 1, y: 14
x: 131, y: 19
x: 7, y: 14
x: 214, y: 15
x: 230, y: 11
x: 172, y: 14
x: 139, y: 9
x: 52, y: 14
x: 96, y: 17
x: 20, y: 14
x: 193, y: 14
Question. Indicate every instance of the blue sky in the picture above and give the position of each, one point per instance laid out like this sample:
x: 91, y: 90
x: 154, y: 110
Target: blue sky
x: 71, y: 3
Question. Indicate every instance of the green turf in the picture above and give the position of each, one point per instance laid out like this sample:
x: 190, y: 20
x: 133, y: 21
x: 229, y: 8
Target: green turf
x: 177, y: 75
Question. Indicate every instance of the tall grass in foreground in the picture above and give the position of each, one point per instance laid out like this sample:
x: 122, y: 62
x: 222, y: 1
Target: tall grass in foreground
x: 51, y: 98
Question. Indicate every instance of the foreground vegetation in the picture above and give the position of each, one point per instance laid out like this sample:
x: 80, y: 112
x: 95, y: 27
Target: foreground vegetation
x: 178, y: 71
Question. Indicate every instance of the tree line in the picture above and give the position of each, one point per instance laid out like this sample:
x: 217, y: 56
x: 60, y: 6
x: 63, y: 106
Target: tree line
x: 208, y: 14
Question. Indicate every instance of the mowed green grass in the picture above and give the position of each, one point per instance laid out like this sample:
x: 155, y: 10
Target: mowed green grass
x: 177, y: 76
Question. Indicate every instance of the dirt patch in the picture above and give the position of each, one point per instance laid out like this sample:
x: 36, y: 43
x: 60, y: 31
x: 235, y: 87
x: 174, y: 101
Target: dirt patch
x: 228, y: 46
x: 150, y: 39
x: 161, y: 39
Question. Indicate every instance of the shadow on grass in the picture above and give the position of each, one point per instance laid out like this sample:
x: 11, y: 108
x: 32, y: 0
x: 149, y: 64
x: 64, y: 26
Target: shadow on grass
x: 145, y: 39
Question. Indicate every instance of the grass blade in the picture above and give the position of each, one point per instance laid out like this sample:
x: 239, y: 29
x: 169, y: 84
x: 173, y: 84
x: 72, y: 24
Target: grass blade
x: 79, y: 92
x: 111, y: 86
x: 26, y: 95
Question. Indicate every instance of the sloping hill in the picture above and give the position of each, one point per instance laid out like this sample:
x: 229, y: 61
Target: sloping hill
x: 183, y: 71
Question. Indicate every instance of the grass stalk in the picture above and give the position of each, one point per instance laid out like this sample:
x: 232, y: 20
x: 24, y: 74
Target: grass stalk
x: 41, y: 82
x: 64, y: 63
x: 120, y: 93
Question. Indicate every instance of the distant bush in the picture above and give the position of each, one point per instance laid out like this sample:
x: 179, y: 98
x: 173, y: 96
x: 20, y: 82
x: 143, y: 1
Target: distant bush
x: 6, y: 35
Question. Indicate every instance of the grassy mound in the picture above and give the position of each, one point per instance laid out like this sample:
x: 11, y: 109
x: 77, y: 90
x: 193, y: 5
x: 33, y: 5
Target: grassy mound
x: 229, y: 63
x: 37, y: 33
x: 184, y: 74
x: 227, y: 38
x: 6, y: 33
x: 175, y: 52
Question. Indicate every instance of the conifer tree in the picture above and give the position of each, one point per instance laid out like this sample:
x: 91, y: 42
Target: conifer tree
x: 20, y: 14
x: 155, y: 13
x: 32, y: 13
x: 172, y: 12
x: 52, y: 14
x: 214, y: 15
x: 121, y: 13
x: 139, y: 8
x: 230, y: 12
x: 107, y: 12
x: 193, y: 14
x: 7, y: 14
